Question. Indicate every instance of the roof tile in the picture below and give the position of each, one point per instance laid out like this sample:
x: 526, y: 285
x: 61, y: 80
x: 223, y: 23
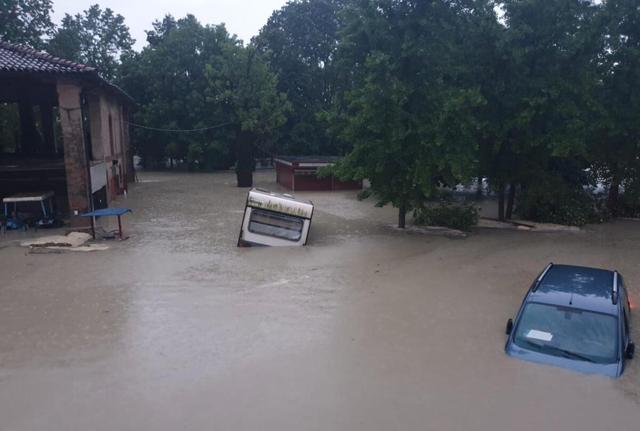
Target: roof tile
x: 17, y: 58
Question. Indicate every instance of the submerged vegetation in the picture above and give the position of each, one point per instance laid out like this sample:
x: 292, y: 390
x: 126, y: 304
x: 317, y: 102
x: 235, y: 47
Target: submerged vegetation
x: 446, y: 214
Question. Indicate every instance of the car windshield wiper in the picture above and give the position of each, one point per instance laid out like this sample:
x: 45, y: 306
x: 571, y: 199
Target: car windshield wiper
x: 569, y: 354
x: 566, y: 353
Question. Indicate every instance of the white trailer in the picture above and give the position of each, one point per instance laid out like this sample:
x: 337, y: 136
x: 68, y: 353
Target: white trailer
x: 273, y: 219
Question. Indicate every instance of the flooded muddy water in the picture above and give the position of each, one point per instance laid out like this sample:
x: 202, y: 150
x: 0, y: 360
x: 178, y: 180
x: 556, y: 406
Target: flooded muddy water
x: 367, y: 328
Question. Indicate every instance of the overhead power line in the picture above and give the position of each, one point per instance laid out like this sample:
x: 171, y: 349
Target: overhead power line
x: 157, y: 129
x: 201, y: 129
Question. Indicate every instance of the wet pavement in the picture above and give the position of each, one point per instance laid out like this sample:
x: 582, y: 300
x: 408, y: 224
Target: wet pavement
x: 367, y: 328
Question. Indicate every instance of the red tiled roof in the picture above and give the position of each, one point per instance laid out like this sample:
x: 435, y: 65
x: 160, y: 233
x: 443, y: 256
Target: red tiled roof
x: 20, y: 59
x: 17, y: 58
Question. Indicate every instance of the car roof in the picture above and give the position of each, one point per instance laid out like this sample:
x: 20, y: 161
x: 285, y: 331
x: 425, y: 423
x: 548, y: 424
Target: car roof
x: 578, y: 287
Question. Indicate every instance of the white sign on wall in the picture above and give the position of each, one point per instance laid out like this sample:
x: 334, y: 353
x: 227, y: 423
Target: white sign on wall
x: 98, y: 177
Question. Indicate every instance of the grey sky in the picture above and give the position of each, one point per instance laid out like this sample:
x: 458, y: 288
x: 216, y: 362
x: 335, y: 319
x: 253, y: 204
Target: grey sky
x: 242, y: 17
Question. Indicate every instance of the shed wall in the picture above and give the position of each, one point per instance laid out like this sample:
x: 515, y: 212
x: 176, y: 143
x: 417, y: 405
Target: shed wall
x: 297, y: 178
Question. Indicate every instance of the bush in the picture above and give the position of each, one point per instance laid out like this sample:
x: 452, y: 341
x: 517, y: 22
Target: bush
x: 552, y: 200
x: 629, y: 200
x: 628, y: 207
x: 446, y: 214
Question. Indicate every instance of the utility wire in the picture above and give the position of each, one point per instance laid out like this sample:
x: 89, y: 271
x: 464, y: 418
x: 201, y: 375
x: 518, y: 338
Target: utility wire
x: 201, y: 129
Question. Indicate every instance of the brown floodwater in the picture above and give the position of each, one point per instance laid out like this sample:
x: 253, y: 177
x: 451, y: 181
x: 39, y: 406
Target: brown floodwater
x: 367, y: 328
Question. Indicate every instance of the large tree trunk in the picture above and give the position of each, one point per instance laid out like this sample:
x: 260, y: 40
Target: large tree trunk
x: 244, y: 164
x: 501, y: 202
x: 511, y: 197
x: 402, y: 216
x: 614, y: 194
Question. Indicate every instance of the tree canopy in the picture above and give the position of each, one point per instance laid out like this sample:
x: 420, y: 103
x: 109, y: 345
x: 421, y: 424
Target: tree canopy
x: 535, y: 74
x: 539, y: 97
x: 95, y: 37
x: 167, y: 80
x: 26, y: 22
x: 247, y: 90
x: 299, y: 43
x: 200, y: 78
x: 409, y: 110
x: 615, y: 129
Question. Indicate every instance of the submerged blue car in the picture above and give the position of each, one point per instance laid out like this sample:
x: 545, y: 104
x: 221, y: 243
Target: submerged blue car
x: 574, y: 317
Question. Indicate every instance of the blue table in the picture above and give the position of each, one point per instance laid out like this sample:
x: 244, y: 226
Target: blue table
x: 107, y: 212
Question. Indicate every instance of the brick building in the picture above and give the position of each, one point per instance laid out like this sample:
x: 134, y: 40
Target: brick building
x: 64, y: 129
x: 300, y: 174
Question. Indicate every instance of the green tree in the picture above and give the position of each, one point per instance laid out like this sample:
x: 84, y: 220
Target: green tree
x: 299, y: 43
x: 615, y: 131
x: 95, y: 37
x: 217, y: 98
x: 244, y: 86
x: 535, y: 73
x: 25, y: 22
x: 409, y: 111
x: 167, y: 80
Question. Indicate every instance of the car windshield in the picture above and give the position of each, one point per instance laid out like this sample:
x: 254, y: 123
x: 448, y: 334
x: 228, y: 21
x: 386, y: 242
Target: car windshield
x: 568, y: 332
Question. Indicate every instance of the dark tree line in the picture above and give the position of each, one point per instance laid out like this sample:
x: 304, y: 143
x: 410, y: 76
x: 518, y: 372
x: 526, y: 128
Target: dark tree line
x: 193, y: 76
x: 540, y: 97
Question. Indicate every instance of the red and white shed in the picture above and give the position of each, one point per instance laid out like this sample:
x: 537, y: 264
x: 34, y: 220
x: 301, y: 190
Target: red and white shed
x: 300, y: 174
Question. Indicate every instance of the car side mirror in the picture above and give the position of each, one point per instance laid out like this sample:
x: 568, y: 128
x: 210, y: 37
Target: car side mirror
x: 509, y: 327
x: 630, y: 350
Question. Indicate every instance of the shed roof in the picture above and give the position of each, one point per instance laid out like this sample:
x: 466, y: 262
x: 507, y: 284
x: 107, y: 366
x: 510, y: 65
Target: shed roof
x: 309, y: 161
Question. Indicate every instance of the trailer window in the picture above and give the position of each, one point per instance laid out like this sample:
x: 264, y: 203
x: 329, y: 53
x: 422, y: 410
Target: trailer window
x: 275, y: 225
